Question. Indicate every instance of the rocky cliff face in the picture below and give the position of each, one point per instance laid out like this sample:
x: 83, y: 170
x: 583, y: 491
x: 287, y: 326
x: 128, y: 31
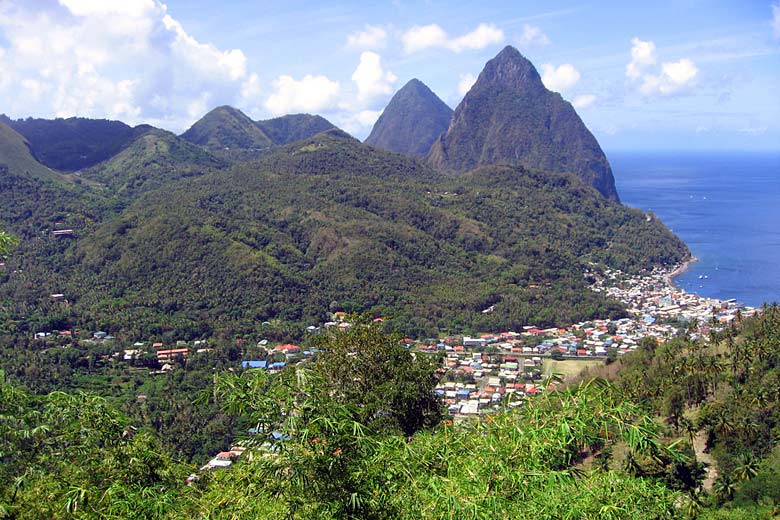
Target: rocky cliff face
x: 412, y: 121
x: 509, y: 117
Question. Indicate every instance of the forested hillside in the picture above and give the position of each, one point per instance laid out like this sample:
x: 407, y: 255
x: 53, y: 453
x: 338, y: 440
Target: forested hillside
x: 333, y: 439
x: 76, y: 142
x: 329, y: 224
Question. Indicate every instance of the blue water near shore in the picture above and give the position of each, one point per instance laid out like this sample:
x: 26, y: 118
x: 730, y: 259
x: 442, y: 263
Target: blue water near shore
x: 724, y: 205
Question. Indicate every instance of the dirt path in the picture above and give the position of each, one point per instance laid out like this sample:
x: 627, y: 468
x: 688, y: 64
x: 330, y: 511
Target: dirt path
x: 699, y: 442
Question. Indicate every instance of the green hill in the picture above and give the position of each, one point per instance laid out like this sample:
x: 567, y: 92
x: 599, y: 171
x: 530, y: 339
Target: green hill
x: 226, y: 128
x: 17, y: 159
x: 328, y: 223
x: 74, y: 143
x: 294, y: 127
x: 155, y: 158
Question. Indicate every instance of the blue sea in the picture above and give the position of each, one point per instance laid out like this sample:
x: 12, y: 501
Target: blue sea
x: 724, y: 205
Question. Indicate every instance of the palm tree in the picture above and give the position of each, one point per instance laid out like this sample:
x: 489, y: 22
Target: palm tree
x: 6, y: 241
x: 725, y: 488
x: 748, y: 467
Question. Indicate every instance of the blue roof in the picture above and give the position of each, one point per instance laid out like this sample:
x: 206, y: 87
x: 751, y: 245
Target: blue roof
x: 278, y: 364
x: 254, y: 364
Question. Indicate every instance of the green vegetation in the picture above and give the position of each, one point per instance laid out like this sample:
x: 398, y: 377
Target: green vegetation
x: 16, y: 159
x: 6, y: 241
x: 227, y: 128
x: 724, y: 393
x: 74, y: 456
x: 320, y: 454
x: 326, y: 445
x: 328, y: 224
x: 294, y: 127
x: 74, y: 143
x: 152, y: 160
x: 230, y: 133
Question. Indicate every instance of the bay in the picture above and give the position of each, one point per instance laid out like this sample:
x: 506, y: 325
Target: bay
x: 724, y: 205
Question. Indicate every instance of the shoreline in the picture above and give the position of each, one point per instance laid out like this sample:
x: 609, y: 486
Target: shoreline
x: 669, y: 277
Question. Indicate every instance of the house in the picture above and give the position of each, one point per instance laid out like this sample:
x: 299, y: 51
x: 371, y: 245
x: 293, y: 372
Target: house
x: 474, y: 342
x: 287, y: 349
x: 131, y: 354
x: 172, y: 353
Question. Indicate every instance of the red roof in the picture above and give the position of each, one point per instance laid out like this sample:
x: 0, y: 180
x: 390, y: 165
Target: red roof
x: 172, y: 352
x: 287, y: 347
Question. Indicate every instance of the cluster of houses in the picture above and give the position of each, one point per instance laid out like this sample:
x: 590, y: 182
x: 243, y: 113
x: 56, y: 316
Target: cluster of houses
x: 495, y: 370
x: 654, y: 301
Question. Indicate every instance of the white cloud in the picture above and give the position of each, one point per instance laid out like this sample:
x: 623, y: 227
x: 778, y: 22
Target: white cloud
x: 359, y: 122
x: 642, y: 56
x: 367, y: 117
x: 419, y: 38
x: 371, y: 38
x: 130, y: 60
x: 675, y: 77
x: 205, y: 57
x: 584, y: 101
x: 776, y: 19
x: 483, y: 36
x: 371, y: 80
x: 533, y: 37
x: 561, y: 78
x: 251, y: 87
x: 310, y: 94
x: 134, y: 8
x: 466, y: 82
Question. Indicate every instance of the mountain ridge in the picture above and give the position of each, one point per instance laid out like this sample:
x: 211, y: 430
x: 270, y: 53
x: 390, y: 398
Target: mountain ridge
x: 74, y: 143
x: 226, y: 128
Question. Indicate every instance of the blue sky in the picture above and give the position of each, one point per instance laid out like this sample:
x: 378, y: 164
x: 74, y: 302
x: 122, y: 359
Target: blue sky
x: 678, y: 75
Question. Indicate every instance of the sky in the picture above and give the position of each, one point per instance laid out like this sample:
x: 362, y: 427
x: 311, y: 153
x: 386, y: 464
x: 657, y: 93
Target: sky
x: 688, y: 74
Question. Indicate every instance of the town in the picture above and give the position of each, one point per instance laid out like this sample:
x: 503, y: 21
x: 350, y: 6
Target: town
x: 498, y: 369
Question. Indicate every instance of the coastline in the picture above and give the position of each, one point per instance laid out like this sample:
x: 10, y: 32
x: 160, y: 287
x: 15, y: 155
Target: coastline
x: 669, y: 277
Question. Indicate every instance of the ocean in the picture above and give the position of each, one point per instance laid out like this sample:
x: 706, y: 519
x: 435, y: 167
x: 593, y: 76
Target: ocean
x: 724, y: 205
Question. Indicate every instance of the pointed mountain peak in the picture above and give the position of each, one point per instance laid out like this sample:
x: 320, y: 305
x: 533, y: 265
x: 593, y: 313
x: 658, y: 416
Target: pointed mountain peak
x: 511, y: 68
x: 509, y: 117
x: 415, y: 84
x: 412, y: 120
